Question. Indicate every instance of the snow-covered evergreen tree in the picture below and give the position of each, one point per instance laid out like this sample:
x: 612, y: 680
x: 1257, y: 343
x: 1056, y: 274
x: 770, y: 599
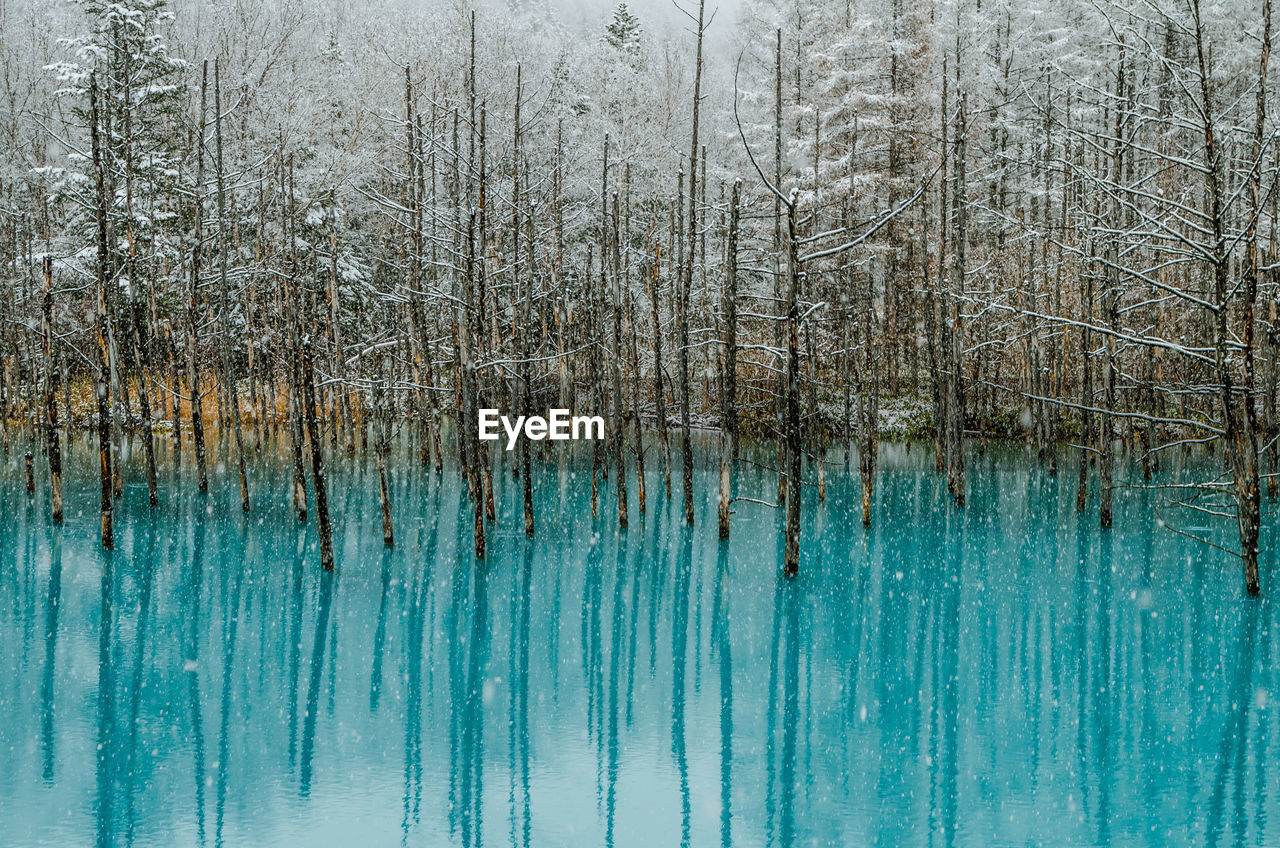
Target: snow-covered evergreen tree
x: 623, y: 31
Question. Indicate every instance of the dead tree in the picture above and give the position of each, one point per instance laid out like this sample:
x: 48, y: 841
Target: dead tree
x: 53, y: 446
x: 323, y: 527
x: 686, y: 282
x: 618, y: 417
x: 228, y: 362
x: 729, y: 378
x: 382, y: 439
x: 193, y: 299
x: 102, y: 385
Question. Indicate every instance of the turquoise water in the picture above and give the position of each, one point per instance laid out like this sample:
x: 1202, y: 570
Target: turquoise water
x: 1008, y: 675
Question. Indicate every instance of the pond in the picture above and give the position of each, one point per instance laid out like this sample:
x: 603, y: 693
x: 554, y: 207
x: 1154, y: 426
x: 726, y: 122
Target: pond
x: 1003, y: 674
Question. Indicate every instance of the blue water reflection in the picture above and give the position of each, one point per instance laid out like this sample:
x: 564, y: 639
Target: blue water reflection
x: 1006, y: 674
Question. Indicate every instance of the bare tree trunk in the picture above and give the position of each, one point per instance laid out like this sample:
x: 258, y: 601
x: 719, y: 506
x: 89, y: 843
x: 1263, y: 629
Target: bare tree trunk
x: 382, y: 437
x: 955, y: 399
x: 295, y: 405
x: 686, y: 453
x: 102, y: 387
x: 634, y: 351
x: 481, y: 279
x: 228, y: 364
x: 193, y: 372
x: 777, y: 261
x: 868, y: 402
x: 1110, y: 297
x: 791, y: 546
x: 638, y: 431
x: 467, y: 424
x: 942, y: 422
x: 138, y: 334
x: 659, y: 397
x: 619, y: 419
x: 323, y: 527
x: 729, y: 378
x: 52, y: 444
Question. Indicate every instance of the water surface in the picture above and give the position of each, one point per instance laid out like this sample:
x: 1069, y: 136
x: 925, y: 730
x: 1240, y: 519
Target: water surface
x: 1006, y: 674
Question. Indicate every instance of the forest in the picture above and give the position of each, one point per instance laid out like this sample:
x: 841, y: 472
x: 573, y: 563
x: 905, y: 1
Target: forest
x: 333, y: 229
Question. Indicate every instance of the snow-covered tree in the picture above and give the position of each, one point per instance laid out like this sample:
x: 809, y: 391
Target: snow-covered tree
x: 623, y: 31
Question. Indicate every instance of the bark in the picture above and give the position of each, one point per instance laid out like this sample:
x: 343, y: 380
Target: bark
x: 955, y: 399
x: 294, y: 324
x: 618, y: 417
x: 102, y: 386
x: 381, y: 441
x: 228, y: 362
x: 777, y: 262
x: 193, y: 299
x: 52, y: 443
x: 659, y: 398
x: 140, y: 345
x: 1240, y: 437
x: 323, y: 526
x: 686, y: 448
x: 791, y: 545
x: 729, y: 379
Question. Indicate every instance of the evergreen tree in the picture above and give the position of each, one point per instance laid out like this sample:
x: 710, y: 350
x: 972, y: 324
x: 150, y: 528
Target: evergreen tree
x: 143, y: 98
x: 623, y: 32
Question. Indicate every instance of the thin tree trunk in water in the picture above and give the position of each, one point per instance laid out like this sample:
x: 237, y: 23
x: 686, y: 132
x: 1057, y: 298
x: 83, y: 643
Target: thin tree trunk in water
x: 1249, y: 535
x: 1273, y: 452
x: 468, y: 423
x: 141, y: 347
x: 103, y: 392
x: 1051, y: 383
x: 1106, y: 435
x: 1240, y: 440
x: 141, y: 357
x: 777, y: 262
x: 175, y: 401
x: 955, y: 399
x: 635, y: 403
x: 522, y: 332
x: 687, y: 282
x: 933, y: 346
x: 813, y: 427
x: 323, y: 527
x: 659, y: 398
x: 228, y: 364
x: 1254, y: 270
x: 868, y: 404
x: 634, y: 352
x: 193, y: 372
x: 682, y: 367
x: 295, y: 406
x: 481, y: 267
x: 791, y: 547
x: 593, y: 367
x: 381, y: 438
x: 728, y: 382
x: 1248, y: 508
x: 526, y: 401
x: 1086, y: 395
x: 1110, y: 297
x: 524, y: 313
x: 1268, y: 422
x: 412, y: 202
x: 618, y: 418
x: 52, y: 442
x: 942, y: 424
x: 102, y: 386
